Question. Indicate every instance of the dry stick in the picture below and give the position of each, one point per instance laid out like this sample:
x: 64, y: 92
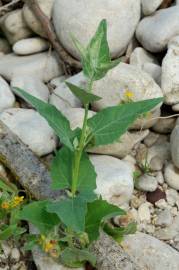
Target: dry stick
x: 51, y: 35
x: 8, y: 7
x: 166, y: 3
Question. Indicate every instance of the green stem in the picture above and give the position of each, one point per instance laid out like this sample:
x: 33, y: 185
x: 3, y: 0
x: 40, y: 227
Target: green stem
x: 79, y: 150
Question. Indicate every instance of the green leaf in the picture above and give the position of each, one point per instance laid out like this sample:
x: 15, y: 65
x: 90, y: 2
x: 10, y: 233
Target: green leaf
x: 82, y: 94
x: 119, y: 232
x: 73, y: 257
x: 61, y: 172
x: 55, y: 118
x: 37, y: 214
x: 110, y: 123
x: 71, y: 212
x: 9, y: 188
x: 8, y: 232
x: 96, y: 60
x: 97, y: 212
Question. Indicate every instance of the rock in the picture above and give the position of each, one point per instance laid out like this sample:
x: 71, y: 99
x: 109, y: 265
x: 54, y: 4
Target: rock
x: 4, y: 46
x: 171, y: 175
x: 67, y: 19
x: 169, y: 232
x: 7, y: 98
x: 156, y: 163
x: 15, y: 254
x: 155, y: 196
x: 124, y: 78
x: 30, y: 46
x: 33, y: 22
x: 151, y: 138
x: 123, y: 146
x: 44, y: 262
x: 170, y: 69
x: 174, y: 141
x: 114, y: 181
x: 14, y: 26
x: 160, y: 150
x: 172, y: 196
x: 154, y: 32
x: 63, y: 98
x: 31, y: 128
x: 140, y: 56
x: 31, y: 85
x: 75, y: 117
x: 146, y: 183
x: 147, y: 251
x: 43, y: 65
x: 164, y: 126
x: 175, y: 108
x: 154, y: 71
x: 144, y: 212
x: 164, y: 218
x: 149, y: 7
x: 160, y: 178
x: 58, y: 80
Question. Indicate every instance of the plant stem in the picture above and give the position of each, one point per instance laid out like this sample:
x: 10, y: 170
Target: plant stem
x: 79, y: 150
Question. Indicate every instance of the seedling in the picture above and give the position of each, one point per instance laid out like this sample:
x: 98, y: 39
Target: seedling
x: 68, y: 226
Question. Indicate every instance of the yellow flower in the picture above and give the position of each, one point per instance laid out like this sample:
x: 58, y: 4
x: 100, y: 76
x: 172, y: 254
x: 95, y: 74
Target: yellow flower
x: 16, y: 201
x: 128, y: 94
x: 5, y: 205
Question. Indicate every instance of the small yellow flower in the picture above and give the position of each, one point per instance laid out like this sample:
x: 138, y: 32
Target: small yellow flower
x: 128, y: 94
x: 5, y: 205
x: 16, y: 201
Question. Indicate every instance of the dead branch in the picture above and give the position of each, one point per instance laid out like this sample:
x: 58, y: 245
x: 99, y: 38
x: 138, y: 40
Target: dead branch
x: 51, y: 35
x: 8, y: 7
x: 166, y: 3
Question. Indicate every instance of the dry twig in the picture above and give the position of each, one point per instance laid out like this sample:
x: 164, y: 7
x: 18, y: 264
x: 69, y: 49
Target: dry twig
x: 51, y: 35
x: 8, y: 7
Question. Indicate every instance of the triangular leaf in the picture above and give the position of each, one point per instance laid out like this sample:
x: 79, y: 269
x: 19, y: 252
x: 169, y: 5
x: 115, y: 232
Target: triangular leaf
x: 71, y: 212
x: 110, y: 123
x: 97, y: 212
x: 73, y: 257
x: 82, y: 94
x: 61, y: 172
x: 55, y: 118
x: 37, y: 214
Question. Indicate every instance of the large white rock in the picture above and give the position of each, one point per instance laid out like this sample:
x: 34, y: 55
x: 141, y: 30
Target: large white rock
x: 171, y: 175
x: 154, y: 32
x: 122, y: 79
x: 31, y: 85
x: 174, y: 141
x: 31, y: 128
x: 170, y: 71
x: 140, y: 56
x: 82, y: 17
x: 42, y: 65
x: 114, y: 179
x: 32, y: 21
x: 4, y: 46
x: 14, y: 26
x: 150, y: 6
x: 7, y: 98
x: 150, y: 253
x: 30, y: 45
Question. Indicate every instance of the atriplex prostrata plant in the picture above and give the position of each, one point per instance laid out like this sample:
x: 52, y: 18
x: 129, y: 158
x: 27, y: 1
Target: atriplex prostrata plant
x: 68, y: 226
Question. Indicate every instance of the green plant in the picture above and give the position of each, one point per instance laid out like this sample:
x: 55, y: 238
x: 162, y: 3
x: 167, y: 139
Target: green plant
x: 10, y: 204
x: 68, y: 226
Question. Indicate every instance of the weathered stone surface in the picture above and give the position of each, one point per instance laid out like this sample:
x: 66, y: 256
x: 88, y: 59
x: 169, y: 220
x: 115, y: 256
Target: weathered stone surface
x: 149, y: 7
x: 42, y: 65
x: 174, y: 140
x: 30, y: 46
x: 154, y: 32
x: 171, y: 175
x: 4, y: 46
x: 82, y: 18
x: 14, y: 26
x: 31, y: 128
x: 7, y: 98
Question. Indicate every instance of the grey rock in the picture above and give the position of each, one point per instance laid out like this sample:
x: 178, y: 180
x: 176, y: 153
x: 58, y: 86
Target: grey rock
x: 154, y: 32
x: 43, y: 65
x: 150, y: 253
x: 171, y: 175
x: 156, y: 163
x: 149, y: 7
x: 154, y: 71
x: 164, y: 126
x: 67, y: 19
x: 7, y: 98
x: 164, y: 218
x: 147, y: 183
x: 4, y: 46
x: 31, y: 128
x: 174, y: 140
x: 30, y: 46
x: 14, y: 26
x: 140, y: 56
